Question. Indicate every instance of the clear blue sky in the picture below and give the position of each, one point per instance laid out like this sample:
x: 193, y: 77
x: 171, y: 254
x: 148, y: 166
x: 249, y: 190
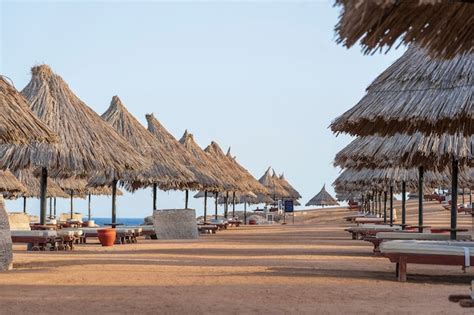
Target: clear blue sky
x: 263, y: 77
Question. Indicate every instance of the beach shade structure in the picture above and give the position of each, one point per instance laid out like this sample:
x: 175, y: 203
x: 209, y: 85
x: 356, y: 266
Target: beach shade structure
x: 275, y: 189
x: 18, y: 124
x: 292, y: 192
x: 323, y: 198
x: 10, y: 185
x: 86, y: 144
x: 416, y: 93
x: 225, y: 180
x: 167, y: 170
x: 253, y: 184
x: 32, y: 184
x: 444, y: 28
x: 203, y: 174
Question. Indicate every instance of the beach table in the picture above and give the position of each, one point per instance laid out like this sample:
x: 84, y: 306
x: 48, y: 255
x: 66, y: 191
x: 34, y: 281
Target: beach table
x: 447, y: 253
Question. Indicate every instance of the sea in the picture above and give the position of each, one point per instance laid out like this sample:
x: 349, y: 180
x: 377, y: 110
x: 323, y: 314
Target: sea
x: 124, y: 221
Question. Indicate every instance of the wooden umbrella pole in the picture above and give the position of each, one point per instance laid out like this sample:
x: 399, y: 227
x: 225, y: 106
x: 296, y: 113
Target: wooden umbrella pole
x: 233, y: 204
x: 391, y: 205
x: 114, y: 198
x: 454, y: 198
x: 72, y: 204
x: 154, y: 196
x: 205, y: 206
x: 217, y: 197
x: 470, y: 198
x: 89, y: 207
x: 55, y: 207
x: 226, y: 206
x: 462, y: 196
x: 43, y: 189
x: 24, y: 204
x: 245, y: 213
x: 385, y: 207
x: 374, y: 202
x: 50, y: 207
x: 404, y: 205
x: 187, y: 198
x: 420, y: 198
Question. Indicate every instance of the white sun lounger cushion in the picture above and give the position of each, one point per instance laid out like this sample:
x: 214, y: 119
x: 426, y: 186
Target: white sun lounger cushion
x: 420, y: 236
x: 34, y: 233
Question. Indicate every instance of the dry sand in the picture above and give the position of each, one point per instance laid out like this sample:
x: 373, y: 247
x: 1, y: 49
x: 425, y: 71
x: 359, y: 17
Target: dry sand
x: 310, y: 267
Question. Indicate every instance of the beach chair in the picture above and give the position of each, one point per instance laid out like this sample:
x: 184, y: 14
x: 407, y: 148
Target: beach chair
x: 36, y: 240
x: 234, y: 222
x: 406, y: 235
x: 207, y: 228
x: 364, y: 230
x: 369, y: 220
x: 449, y: 253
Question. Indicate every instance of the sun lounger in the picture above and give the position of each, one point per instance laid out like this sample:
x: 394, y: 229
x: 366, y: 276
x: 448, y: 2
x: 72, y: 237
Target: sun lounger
x: 234, y: 222
x: 403, y: 252
x: 391, y: 236
x: 36, y: 240
x: 352, y: 217
x: 221, y: 224
x: 369, y: 220
x: 364, y: 230
x: 207, y: 228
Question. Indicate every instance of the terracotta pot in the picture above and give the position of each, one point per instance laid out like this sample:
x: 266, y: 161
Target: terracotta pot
x: 107, y: 236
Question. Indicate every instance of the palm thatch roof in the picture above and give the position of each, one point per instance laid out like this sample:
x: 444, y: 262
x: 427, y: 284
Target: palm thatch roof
x: 251, y: 181
x: 290, y: 189
x: 416, y: 93
x: 204, y: 178
x: 432, y: 152
x: 167, y: 169
x: 218, y: 171
x: 368, y: 179
x: 86, y: 144
x: 323, y: 198
x: 32, y: 184
x: 17, y: 123
x: 240, y: 198
x: 271, y: 182
x: 80, y: 187
x: 10, y: 184
x: 445, y: 28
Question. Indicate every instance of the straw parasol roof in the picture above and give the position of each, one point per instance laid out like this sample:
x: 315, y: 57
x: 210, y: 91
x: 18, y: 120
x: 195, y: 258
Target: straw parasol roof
x: 17, y: 123
x: 203, y: 175
x: 290, y: 189
x: 432, y: 152
x: 240, y: 198
x: 80, y: 187
x: 86, y: 145
x: 166, y: 169
x: 271, y: 182
x: 445, y: 28
x: 10, y: 184
x: 416, y: 93
x: 323, y: 198
x: 226, y: 180
x: 32, y: 184
x: 256, y: 187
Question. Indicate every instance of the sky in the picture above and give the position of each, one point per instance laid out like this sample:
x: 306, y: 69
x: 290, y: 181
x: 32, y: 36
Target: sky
x: 263, y: 77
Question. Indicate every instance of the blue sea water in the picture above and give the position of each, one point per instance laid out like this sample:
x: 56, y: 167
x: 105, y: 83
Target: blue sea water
x: 125, y: 221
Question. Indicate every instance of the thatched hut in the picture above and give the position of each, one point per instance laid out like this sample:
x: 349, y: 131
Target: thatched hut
x: 323, y: 198
x: 166, y: 170
x: 444, y: 28
x: 17, y: 123
x: 416, y: 94
x: 87, y: 145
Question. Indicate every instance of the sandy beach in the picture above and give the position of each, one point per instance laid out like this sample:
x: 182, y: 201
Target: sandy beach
x: 310, y: 267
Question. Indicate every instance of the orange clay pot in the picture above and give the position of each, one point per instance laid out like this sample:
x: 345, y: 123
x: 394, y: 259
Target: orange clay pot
x: 107, y: 236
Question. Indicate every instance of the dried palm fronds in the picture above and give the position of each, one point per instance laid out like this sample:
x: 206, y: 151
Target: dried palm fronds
x: 416, y: 93
x: 289, y: 188
x: 407, y: 151
x: 210, y: 163
x: 323, y: 198
x: 32, y: 184
x: 256, y: 187
x: 87, y: 145
x: 10, y: 185
x: 271, y: 182
x: 166, y: 170
x: 444, y: 28
x: 17, y: 123
x: 204, y: 178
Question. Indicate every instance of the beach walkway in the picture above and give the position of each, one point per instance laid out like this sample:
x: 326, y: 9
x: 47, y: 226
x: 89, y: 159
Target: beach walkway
x: 310, y: 267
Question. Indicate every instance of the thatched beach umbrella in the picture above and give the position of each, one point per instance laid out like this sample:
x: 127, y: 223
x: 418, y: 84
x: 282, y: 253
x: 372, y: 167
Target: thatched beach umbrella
x: 32, y: 184
x: 275, y: 189
x: 445, y: 28
x: 10, y: 184
x: 226, y: 182
x: 87, y: 145
x: 294, y: 194
x: 253, y: 184
x: 204, y: 177
x: 323, y: 198
x: 167, y: 170
x: 416, y: 93
x: 17, y: 123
